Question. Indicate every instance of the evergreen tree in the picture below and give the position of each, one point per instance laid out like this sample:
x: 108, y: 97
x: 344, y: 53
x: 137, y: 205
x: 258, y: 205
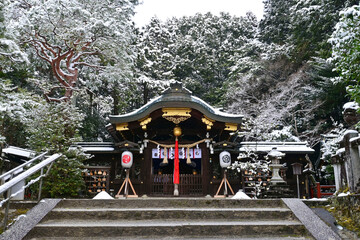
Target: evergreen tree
x: 275, y: 25
x: 197, y: 50
x: 312, y: 22
x: 346, y: 50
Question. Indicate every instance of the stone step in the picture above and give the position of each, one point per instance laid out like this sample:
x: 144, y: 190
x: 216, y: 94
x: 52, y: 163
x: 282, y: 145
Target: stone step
x: 176, y: 238
x: 170, y: 213
x: 152, y: 229
x: 170, y: 202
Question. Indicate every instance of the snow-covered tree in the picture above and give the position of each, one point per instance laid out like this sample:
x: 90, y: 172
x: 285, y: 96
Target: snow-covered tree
x: 197, y: 50
x: 74, y: 36
x: 10, y: 52
x: 16, y: 106
x: 154, y: 59
x: 312, y: 22
x: 345, y: 42
x: 275, y: 25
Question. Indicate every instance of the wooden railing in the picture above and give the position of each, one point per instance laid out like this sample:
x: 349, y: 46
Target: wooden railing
x: 320, y: 193
x: 189, y: 184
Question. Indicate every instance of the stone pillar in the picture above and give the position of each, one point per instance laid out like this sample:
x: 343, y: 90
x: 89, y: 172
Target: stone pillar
x: 350, y: 157
x: 355, y: 161
x: 337, y: 175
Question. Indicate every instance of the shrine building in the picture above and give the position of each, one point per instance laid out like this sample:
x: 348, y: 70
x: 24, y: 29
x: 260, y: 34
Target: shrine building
x: 200, y: 132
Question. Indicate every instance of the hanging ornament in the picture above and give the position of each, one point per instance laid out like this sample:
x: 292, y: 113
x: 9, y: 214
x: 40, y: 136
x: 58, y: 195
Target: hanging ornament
x: 165, y: 161
x: 188, y: 160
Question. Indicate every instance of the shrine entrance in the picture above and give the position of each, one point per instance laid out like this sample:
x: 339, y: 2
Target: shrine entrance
x: 190, y: 174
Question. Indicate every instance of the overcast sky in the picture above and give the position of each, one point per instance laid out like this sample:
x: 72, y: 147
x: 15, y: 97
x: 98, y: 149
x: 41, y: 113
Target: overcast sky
x: 165, y: 9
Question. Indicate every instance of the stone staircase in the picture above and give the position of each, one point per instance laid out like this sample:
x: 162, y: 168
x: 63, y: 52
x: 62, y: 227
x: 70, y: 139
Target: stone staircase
x: 170, y: 218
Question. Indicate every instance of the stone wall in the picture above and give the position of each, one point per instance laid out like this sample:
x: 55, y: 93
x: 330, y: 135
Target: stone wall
x: 346, y: 210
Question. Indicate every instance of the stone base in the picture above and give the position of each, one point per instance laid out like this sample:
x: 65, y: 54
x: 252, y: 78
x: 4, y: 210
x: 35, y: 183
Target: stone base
x: 278, y: 190
x: 357, y: 188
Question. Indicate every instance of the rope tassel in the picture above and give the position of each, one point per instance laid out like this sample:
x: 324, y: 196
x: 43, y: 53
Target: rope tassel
x: 188, y: 160
x: 165, y: 161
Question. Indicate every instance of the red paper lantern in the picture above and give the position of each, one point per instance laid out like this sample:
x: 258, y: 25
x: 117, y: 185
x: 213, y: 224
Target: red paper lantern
x: 126, y: 159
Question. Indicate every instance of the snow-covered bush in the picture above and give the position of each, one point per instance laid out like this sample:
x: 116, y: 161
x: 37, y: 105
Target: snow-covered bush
x: 330, y: 143
x: 53, y: 127
x: 285, y: 134
x: 250, y: 163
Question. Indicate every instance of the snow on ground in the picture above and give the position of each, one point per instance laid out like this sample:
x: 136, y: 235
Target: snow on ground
x: 103, y: 195
x: 240, y: 195
x: 344, y: 194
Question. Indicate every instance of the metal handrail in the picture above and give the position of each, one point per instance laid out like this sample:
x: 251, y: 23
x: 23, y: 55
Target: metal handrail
x: 10, y: 173
x: 28, y: 173
x: 6, y: 187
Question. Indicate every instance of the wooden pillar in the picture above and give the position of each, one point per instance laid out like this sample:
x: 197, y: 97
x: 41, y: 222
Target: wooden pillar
x: 205, y: 165
x: 146, y: 168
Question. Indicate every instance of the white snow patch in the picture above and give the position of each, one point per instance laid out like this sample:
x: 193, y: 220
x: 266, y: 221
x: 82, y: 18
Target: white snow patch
x: 103, y: 195
x: 340, y: 151
x: 317, y: 199
x: 240, y: 195
x: 344, y: 194
x: 354, y: 139
x: 350, y: 132
x: 95, y: 149
x: 351, y: 105
x: 19, y: 217
x: 18, y: 152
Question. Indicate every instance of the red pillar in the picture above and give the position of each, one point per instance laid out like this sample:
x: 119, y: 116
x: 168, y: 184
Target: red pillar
x: 176, y: 163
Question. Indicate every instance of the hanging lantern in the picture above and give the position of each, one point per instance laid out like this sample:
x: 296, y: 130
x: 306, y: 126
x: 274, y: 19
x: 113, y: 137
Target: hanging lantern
x: 225, y: 159
x: 126, y: 159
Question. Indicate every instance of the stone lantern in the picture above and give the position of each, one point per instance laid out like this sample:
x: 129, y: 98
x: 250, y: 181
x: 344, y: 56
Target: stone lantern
x: 350, y: 115
x: 274, y: 155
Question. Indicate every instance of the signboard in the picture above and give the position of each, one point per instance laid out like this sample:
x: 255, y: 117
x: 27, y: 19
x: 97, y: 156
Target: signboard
x: 193, y: 153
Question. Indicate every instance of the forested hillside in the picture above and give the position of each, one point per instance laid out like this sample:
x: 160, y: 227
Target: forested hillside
x: 65, y: 67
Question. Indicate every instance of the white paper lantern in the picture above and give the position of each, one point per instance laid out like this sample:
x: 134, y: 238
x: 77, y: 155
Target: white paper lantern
x: 225, y: 159
x: 126, y: 159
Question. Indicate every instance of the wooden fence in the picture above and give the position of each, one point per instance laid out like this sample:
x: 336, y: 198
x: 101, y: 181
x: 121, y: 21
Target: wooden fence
x: 329, y: 190
x: 190, y: 185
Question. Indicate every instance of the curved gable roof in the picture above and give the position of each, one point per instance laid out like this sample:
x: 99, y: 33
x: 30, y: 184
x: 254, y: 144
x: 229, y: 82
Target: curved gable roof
x: 176, y: 97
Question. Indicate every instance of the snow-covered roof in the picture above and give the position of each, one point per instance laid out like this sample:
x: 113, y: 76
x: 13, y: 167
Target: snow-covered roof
x: 94, y: 146
x: 284, y: 147
x: 21, y: 152
x: 177, y: 96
